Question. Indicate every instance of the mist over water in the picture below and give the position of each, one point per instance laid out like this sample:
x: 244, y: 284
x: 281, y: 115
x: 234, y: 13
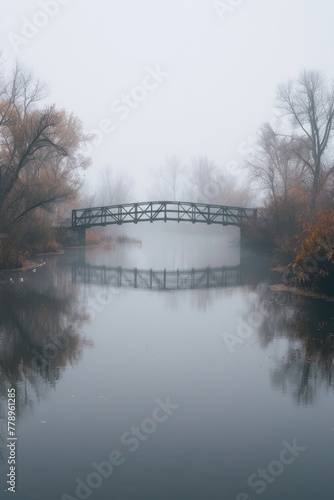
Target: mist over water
x: 91, y: 361
x: 173, y: 246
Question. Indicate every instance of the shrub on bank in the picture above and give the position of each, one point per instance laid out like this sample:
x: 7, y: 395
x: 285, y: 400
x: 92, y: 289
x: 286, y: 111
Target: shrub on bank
x: 10, y: 257
x: 313, y: 263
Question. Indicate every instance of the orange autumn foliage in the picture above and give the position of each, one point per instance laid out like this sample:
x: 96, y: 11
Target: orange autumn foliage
x: 314, y: 253
x: 317, y: 237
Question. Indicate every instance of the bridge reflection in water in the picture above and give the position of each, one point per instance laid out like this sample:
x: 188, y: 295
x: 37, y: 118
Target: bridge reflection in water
x: 158, y: 280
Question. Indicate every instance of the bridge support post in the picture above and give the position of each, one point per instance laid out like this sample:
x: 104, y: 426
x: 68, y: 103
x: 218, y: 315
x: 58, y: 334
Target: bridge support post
x: 242, y: 237
x: 81, y: 234
x: 248, y: 251
x: 244, y: 250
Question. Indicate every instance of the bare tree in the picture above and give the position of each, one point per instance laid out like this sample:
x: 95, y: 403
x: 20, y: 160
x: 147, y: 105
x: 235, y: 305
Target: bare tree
x: 205, y: 179
x: 275, y: 163
x: 169, y: 179
x: 113, y: 188
x: 40, y: 156
x: 309, y: 103
x: 209, y: 184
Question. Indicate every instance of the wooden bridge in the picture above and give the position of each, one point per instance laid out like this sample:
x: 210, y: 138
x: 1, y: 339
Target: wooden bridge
x: 153, y: 211
x: 158, y: 280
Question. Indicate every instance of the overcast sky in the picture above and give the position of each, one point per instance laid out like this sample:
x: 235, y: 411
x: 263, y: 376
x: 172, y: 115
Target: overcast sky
x: 164, y: 77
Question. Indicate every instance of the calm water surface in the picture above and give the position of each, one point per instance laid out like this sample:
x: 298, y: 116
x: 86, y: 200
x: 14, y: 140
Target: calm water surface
x: 132, y: 393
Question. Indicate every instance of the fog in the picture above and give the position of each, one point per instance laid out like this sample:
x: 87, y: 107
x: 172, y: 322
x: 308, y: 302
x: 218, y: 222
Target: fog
x: 154, y: 78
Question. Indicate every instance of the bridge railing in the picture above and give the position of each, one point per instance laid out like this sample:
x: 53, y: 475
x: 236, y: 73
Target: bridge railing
x: 162, y: 211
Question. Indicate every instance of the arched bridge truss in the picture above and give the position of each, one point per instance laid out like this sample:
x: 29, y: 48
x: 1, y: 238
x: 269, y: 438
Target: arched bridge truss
x: 152, y: 211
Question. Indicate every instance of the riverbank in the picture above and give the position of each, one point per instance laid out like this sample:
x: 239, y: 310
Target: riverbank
x: 300, y: 291
x: 283, y: 279
x: 13, y: 275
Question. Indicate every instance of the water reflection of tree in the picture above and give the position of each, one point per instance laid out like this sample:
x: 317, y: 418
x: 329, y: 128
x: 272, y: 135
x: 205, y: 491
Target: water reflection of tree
x: 40, y: 322
x: 308, y: 326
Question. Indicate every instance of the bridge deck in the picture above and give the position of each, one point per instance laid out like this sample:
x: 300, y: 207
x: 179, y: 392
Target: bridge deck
x: 162, y: 211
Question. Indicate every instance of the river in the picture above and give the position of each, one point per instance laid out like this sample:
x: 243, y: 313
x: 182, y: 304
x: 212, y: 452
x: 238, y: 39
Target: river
x: 191, y: 385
